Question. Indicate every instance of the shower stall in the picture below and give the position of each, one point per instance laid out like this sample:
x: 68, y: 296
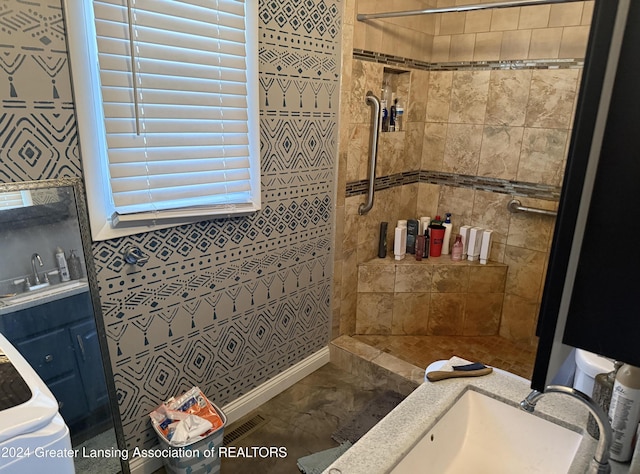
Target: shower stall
x: 489, y: 96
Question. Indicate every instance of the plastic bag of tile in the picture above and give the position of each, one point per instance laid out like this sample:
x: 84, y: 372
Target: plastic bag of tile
x: 192, y: 408
x: 200, y: 453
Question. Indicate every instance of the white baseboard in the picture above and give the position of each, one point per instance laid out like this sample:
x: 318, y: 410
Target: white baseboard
x: 250, y: 401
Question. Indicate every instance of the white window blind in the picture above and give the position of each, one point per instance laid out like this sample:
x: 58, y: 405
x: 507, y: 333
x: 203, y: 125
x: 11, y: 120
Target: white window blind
x: 184, y: 86
x: 167, y: 109
x: 15, y: 199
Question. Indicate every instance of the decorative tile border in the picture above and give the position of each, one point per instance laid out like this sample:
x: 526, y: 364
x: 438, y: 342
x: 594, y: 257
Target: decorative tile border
x: 408, y: 63
x: 480, y: 183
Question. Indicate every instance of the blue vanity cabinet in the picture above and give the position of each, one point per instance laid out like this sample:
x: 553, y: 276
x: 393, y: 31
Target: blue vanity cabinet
x: 89, y: 359
x: 59, y: 340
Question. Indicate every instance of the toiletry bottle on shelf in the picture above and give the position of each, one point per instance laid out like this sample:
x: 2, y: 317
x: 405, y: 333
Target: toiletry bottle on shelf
x: 399, y: 115
x: 412, y: 232
x: 426, y: 244
x: 419, y: 247
x: 392, y: 114
x: 456, y: 250
x: 464, y: 233
x: 424, y: 224
x: 624, y: 412
x: 485, y: 246
x: 382, y: 242
x: 385, y: 115
x: 437, y: 235
x: 602, y: 391
x: 62, y: 265
x: 400, y: 243
x: 475, y: 242
x: 447, y: 234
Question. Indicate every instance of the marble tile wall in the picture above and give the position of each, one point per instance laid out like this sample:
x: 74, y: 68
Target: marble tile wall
x: 468, y: 123
x: 533, y: 32
x: 410, y: 37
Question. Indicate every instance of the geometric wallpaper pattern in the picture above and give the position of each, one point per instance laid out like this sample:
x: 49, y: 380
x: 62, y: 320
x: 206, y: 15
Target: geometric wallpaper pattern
x: 229, y: 303
x: 38, y: 138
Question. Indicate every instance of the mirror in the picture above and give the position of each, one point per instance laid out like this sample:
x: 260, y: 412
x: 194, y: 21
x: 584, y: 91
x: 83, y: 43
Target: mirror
x: 50, y: 312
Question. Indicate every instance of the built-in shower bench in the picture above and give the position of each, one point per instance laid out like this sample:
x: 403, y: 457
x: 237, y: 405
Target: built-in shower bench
x: 435, y: 296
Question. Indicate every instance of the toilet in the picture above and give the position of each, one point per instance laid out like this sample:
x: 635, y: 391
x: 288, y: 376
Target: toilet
x: 588, y: 365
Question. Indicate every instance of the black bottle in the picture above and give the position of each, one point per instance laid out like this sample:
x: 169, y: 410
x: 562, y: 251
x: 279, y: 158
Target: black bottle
x: 412, y: 232
x: 382, y: 243
x: 426, y: 244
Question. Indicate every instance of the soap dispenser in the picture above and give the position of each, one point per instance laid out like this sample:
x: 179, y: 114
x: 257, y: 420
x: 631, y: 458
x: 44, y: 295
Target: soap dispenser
x: 75, y: 266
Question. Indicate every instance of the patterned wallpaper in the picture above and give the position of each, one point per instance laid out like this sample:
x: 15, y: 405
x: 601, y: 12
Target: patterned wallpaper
x: 224, y: 304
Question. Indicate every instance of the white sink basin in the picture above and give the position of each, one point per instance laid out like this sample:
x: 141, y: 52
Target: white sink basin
x: 44, y: 292
x: 480, y: 434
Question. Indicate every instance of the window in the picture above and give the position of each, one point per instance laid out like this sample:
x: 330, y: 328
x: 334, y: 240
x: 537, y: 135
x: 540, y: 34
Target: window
x: 15, y: 199
x: 167, y: 110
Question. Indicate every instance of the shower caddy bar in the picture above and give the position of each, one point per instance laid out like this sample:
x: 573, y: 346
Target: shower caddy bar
x: 366, y: 207
x: 461, y: 8
x: 516, y: 206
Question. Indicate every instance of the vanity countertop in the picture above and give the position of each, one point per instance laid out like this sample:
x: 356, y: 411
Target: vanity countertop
x: 392, y: 438
x: 46, y: 295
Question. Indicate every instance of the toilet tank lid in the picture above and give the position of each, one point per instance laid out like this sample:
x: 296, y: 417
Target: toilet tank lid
x: 592, y: 364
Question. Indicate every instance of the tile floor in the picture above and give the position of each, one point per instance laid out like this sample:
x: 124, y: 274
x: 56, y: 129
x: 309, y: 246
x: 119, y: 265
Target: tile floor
x: 496, y: 351
x: 303, y: 417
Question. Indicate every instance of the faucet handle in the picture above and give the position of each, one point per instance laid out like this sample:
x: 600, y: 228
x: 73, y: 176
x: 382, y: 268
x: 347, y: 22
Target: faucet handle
x: 134, y: 256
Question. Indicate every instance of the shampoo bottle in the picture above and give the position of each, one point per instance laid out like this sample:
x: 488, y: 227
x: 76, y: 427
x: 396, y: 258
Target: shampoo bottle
x: 624, y: 412
x: 485, y: 246
x: 400, y: 243
x: 447, y: 234
x: 464, y: 232
x: 62, y: 265
x: 475, y: 241
x: 399, y: 115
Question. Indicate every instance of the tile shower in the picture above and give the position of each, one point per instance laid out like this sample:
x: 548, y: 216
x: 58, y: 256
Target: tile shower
x: 490, y: 108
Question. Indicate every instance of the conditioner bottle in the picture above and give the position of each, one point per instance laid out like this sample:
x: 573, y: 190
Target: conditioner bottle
x: 624, y: 412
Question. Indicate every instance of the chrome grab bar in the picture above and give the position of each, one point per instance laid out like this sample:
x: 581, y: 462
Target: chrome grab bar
x: 364, y: 208
x: 516, y: 206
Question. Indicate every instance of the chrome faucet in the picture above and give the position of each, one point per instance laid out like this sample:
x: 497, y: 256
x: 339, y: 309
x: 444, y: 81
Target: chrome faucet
x: 36, y: 257
x: 600, y: 462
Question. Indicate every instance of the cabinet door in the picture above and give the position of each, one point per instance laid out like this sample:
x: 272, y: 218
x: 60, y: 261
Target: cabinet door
x: 87, y: 349
x: 50, y: 355
x: 71, y: 401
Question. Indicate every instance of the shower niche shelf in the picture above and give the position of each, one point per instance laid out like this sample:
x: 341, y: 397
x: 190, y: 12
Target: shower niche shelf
x: 394, y: 99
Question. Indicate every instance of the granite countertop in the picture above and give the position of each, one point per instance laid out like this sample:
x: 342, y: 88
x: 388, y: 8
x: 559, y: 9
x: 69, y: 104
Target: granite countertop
x: 45, y: 295
x: 392, y: 438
